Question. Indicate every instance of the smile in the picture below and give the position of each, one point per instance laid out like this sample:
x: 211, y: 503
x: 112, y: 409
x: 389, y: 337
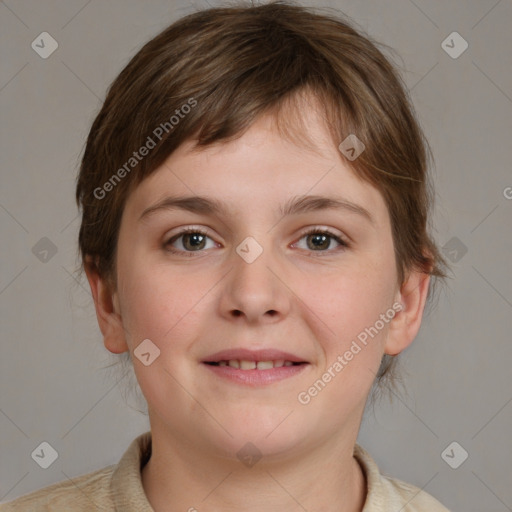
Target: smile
x: 254, y: 365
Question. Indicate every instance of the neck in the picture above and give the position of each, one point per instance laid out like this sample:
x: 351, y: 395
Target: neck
x: 181, y: 478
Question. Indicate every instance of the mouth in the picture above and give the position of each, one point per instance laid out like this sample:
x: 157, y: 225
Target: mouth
x: 255, y: 368
x: 253, y: 365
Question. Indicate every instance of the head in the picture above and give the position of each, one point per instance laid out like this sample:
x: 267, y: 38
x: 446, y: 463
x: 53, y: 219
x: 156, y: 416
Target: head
x: 248, y: 106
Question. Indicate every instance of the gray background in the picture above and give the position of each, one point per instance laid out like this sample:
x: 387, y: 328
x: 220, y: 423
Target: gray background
x: 53, y: 383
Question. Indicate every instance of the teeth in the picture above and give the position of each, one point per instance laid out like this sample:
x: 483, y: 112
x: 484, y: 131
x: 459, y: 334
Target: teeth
x: 247, y: 365
x: 264, y: 365
x: 253, y: 365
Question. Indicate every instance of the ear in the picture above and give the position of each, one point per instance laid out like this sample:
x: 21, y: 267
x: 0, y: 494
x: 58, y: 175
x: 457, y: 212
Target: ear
x: 406, y: 323
x: 107, y: 310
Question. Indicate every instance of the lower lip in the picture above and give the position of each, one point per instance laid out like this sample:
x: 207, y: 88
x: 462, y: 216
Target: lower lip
x: 256, y: 377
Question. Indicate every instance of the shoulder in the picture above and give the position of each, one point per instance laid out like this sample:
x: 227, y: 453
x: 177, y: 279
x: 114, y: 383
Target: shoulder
x: 115, y: 487
x: 410, y: 497
x: 385, y: 493
x: 87, y: 492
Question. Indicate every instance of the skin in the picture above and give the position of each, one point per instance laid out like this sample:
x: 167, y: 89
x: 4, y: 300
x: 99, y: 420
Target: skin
x: 293, y: 297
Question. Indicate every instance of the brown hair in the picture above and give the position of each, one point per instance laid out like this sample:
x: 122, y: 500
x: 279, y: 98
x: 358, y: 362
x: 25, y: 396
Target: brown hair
x: 211, y: 74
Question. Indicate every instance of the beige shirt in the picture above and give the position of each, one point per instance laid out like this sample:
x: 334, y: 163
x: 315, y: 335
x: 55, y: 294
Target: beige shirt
x: 119, y: 488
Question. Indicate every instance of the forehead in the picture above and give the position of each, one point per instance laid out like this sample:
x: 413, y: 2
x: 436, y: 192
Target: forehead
x: 260, y: 169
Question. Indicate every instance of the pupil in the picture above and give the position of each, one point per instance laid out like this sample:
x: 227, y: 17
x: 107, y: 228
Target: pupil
x: 322, y: 243
x: 197, y: 240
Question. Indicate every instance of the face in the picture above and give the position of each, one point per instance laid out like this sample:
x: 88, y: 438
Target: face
x: 251, y: 284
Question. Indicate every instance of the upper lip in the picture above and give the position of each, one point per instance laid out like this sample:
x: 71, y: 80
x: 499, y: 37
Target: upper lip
x: 243, y: 354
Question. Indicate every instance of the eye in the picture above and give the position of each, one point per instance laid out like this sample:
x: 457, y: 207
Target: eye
x: 190, y: 240
x: 195, y: 240
x: 320, y: 240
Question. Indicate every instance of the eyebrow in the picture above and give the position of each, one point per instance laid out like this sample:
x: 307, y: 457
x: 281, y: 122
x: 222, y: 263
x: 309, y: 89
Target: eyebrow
x: 295, y: 206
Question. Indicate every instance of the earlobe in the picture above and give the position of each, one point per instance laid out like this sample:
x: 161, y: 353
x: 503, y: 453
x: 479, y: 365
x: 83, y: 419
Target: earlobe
x: 407, y: 322
x: 107, y: 310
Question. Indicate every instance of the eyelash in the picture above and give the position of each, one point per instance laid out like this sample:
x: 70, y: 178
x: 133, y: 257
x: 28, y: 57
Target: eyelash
x: 313, y: 231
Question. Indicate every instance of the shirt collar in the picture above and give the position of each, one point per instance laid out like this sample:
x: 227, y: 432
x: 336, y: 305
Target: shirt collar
x: 127, y: 490
x: 129, y: 496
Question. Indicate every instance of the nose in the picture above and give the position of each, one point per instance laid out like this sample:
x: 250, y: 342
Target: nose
x: 255, y: 292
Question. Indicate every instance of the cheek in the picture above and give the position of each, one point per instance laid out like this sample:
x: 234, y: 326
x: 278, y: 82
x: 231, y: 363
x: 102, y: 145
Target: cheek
x: 147, y: 307
x: 352, y: 299
x: 350, y: 329
x: 162, y: 305
x: 352, y: 345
